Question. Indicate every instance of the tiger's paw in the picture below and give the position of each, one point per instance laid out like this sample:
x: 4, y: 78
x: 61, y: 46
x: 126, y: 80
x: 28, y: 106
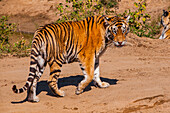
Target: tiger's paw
x: 35, y: 99
x: 78, y: 92
x: 61, y: 93
x: 54, y: 89
x: 103, y: 85
x: 57, y: 92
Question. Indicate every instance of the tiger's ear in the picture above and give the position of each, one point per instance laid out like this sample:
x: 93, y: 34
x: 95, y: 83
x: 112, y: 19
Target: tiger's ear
x: 127, y: 18
x: 165, y: 13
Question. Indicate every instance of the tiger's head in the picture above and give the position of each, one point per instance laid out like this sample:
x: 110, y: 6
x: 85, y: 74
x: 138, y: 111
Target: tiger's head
x: 117, y: 29
x: 165, y: 19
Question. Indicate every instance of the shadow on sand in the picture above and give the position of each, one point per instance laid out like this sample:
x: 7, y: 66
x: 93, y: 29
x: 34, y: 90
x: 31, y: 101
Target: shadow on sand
x: 66, y: 81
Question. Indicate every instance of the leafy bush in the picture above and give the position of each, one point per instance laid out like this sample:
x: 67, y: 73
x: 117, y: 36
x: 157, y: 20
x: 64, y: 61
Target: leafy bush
x: 5, y: 30
x: 19, y: 48
x: 140, y: 23
x: 81, y: 9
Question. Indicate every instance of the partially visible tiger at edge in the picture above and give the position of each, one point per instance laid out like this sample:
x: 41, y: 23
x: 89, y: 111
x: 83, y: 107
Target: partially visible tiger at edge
x: 165, y: 21
x: 83, y: 41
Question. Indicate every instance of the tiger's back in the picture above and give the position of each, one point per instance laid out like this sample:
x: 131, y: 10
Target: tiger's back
x: 70, y: 38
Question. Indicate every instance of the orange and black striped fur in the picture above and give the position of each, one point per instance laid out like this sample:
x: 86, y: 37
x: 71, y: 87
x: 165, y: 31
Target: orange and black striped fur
x: 165, y: 21
x: 66, y: 42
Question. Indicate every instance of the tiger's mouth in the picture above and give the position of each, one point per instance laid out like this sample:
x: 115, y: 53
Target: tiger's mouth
x: 119, y: 44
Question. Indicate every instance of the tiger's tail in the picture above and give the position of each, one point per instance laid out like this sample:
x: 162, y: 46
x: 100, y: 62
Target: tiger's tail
x: 37, y: 64
x: 21, y: 90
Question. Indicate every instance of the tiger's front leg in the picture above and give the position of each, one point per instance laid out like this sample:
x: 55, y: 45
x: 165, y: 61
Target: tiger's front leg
x: 87, y: 68
x: 53, y: 79
x: 96, y: 78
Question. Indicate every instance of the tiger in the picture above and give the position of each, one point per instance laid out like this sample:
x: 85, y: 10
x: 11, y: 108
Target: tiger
x: 82, y: 41
x: 165, y: 21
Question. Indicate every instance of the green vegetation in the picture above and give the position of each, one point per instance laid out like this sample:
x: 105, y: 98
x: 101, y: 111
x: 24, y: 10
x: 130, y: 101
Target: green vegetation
x: 5, y: 30
x: 19, y: 48
x: 81, y: 9
x: 140, y: 22
x: 22, y: 47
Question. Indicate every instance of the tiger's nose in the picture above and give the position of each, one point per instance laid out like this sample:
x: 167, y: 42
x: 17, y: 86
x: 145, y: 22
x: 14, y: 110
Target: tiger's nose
x: 120, y: 43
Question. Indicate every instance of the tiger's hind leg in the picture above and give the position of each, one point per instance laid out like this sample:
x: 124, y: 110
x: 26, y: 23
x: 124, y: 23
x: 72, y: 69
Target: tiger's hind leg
x: 53, y: 79
x: 37, y: 67
x: 96, y: 78
x: 32, y: 92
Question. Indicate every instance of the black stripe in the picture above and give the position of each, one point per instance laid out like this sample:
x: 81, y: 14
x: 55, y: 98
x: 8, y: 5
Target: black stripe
x: 61, y: 31
x: 68, y: 47
x: 55, y: 71
x: 37, y: 41
x: 82, y: 69
x: 59, y: 64
x: 70, y: 44
x: 45, y: 63
x: 37, y: 48
x: 30, y: 79
x: 81, y: 24
x: 24, y: 88
x: 92, y: 22
x: 72, y: 47
x: 34, y: 46
x: 55, y: 62
x: 84, y: 22
x: 55, y: 29
x: 33, y: 62
x: 68, y: 38
x: 42, y: 54
x: 118, y: 24
x: 45, y: 39
x: 40, y: 38
x: 59, y: 58
x: 33, y: 53
x: 101, y: 21
x: 51, y: 63
x: 49, y: 59
x: 76, y: 47
x: 78, y: 24
x: 21, y: 90
x: 48, y: 42
x: 27, y: 85
x: 52, y: 43
x: 31, y: 74
x: 65, y: 32
x: 88, y: 22
x: 100, y: 18
x: 33, y: 57
x: 32, y: 69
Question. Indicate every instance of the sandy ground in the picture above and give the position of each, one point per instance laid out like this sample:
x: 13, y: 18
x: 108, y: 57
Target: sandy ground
x: 139, y: 74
